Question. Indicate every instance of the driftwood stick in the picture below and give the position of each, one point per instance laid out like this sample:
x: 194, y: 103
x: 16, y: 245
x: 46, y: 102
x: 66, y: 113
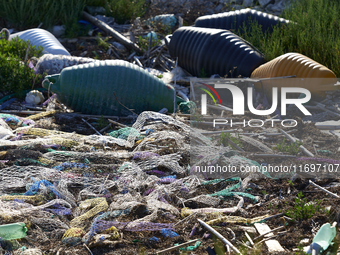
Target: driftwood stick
x: 177, y: 247
x: 117, y: 123
x: 323, y: 189
x: 218, y: 235
x: 185, y: 219
x: 320, y: 106
x: 249, y: 238
x: 109, y: 30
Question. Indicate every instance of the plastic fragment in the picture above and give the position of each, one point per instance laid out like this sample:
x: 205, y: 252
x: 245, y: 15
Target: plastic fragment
x: 154, y: 239
x: 323, y: 238
x: 168, y: 233
x: 164, y: 19
x: 34, y: 97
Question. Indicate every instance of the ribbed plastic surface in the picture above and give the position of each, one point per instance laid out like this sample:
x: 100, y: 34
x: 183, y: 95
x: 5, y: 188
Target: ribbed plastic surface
x: 234, y: 20
x: 88, y: 88
x: 43, y: 38
x: 293, y: 64
x: 213, y: 51
x: 289, y: 64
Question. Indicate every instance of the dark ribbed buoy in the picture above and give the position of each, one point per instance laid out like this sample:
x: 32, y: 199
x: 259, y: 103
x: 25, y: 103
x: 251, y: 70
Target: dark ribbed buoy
x: 206, y: 51
x: 234, y: 20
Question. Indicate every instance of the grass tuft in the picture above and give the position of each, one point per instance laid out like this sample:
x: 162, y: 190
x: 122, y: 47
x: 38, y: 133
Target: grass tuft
x: 313, y: 32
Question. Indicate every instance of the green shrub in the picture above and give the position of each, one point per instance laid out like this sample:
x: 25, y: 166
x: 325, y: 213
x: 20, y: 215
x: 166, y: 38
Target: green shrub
x: 125, y: 10
x: 313, y: 32
x: 225, y: 139
x: 15, y: 74
x: 302, y: 209
x: 291, y: 148
x: 25, y: 14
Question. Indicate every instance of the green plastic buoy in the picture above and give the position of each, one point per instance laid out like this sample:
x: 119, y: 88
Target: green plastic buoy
x: 110, y: 87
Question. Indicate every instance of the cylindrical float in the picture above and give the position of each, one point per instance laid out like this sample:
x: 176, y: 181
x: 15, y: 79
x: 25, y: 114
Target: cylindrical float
x: 235, y: 20
x: 88, y: 88
x: 317, y: 78
x: 207, y: 51
x: 43, y: 38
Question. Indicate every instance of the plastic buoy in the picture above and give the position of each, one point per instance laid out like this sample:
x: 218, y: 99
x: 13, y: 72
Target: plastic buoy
x: 318, y: 77
x: 235, y: 20
x: 43, y: 38
x: 88, y: 88
x: 208, y: 51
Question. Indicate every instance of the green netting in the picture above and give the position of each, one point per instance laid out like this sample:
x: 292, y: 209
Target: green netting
x: 187, y: 107
x: 124, y: 133
x: 226, y: 193
x: 221, y: 180
x: 190, y: 248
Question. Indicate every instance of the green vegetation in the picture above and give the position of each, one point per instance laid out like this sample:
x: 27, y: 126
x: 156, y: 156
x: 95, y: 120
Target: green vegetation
x: 15, y: 74
x: 225, y: 139
x: 313, y: 32
x: 102, y: 42
x: 24, y: 14
x: 143, y: 43
x: 102, y: 122
x: 291, y: 148
x: 302, y: 209
x: 124, y: 10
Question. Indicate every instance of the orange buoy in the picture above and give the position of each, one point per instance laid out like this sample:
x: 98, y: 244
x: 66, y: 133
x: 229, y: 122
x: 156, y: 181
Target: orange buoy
x: 316, y: 77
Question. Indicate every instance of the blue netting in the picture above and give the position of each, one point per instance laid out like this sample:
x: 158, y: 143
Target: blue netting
x: 59, y: 210
x: 35, y: 188
x: 154, y: 239
x: 67, y: 165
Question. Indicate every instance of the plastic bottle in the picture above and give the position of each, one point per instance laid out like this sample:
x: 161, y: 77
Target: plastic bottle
x: 13, y: 231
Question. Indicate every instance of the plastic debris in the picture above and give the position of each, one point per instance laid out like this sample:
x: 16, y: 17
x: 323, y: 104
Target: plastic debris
x: 121, y: 77
x: 34, y: 97
x: 235, y: 20
x: 213, y: 51
x: 13, y: 231
x: 168, y: 20
x: 43, y: 38
x: 323, y: 238
x: 168, y: 233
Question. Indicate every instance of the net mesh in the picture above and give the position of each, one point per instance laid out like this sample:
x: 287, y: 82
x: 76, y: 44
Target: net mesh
x: 135, y: 179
